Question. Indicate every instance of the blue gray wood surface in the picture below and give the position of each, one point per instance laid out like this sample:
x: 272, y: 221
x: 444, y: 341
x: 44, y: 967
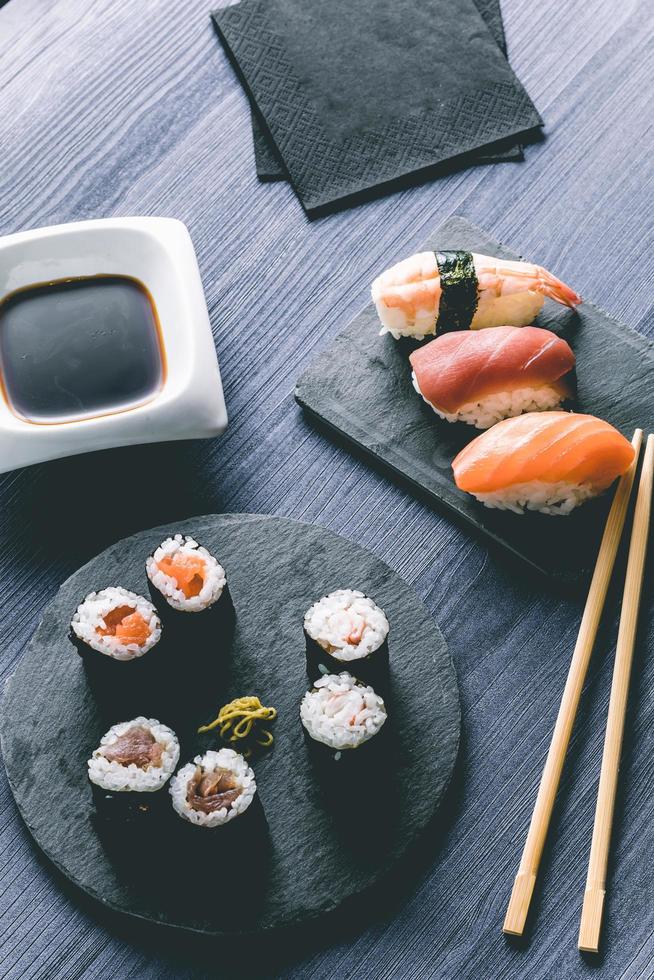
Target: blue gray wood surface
x: 116, y: 108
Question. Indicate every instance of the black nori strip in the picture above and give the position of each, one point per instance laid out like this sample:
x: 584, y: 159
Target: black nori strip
x: 459, y: 295
x: 372, y: 669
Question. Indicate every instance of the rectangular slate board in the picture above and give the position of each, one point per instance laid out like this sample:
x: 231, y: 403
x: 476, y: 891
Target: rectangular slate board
x: 361, y: 387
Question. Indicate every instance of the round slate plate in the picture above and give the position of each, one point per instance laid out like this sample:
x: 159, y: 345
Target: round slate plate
x: 325, y: 833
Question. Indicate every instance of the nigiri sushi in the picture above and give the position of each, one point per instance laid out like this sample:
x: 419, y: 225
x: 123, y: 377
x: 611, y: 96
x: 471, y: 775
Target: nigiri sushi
x: 443, y: 291
x: 480, y: 377
x: 545, y: 461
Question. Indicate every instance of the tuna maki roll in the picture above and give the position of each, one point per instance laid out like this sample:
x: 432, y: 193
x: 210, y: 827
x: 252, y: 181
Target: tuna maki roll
x: 347, y: 629
x: 185, y: 575
x: 119, y: 625
x: 214, y: 789
x: 342, y: 713
x: 134, y: 760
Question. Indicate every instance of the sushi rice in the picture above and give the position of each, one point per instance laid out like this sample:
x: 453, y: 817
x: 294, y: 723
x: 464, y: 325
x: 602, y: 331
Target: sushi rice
x: 341, y: 712
x: 502, y: 405
x: 546, y: 461
x: 556, y: 499
x: 117, y: 778
x: 90, y: 616
x: 224, y: 759
x: 516, y: 310
x: 214, y: 578
x: 331, y: 620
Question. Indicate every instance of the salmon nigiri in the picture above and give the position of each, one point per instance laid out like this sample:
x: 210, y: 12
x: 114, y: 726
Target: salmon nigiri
x: 443, y: 291
x: 480, y: 377
x: 546, y: 461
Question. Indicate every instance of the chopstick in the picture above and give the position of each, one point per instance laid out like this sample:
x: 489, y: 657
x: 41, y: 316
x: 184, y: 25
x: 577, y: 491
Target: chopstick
x: 591, y: 916
x: 523, y: 886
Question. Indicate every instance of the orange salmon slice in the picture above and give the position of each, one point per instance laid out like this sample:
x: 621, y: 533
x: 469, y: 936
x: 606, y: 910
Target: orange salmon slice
x: 543, y: 446
x: 127, y: 625
x: 187, y: 570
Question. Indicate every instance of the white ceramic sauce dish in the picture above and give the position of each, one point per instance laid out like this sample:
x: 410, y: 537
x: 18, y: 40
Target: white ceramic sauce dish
x: 188, y: 403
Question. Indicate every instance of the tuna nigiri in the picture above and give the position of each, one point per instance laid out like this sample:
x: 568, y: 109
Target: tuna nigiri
x: 459, y: 290
x: 546, y: 461
x: 480, y: 377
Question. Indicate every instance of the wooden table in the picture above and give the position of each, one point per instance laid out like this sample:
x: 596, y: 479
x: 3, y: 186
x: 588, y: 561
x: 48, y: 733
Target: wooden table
x: 118, y: 108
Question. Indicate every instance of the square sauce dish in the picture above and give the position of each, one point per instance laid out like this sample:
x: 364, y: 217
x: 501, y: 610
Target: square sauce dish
x: 105, y: 340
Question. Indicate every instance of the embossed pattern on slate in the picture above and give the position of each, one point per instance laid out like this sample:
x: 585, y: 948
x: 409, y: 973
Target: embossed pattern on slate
x: 148, y: 118
x: 327, y: 167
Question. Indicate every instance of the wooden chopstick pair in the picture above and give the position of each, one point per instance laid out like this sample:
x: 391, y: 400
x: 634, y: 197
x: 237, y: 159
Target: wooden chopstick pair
x: 591, y: 917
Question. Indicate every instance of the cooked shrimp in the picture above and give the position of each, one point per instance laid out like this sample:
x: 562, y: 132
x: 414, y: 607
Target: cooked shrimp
x: 457, y: 290
x: 501, y: 277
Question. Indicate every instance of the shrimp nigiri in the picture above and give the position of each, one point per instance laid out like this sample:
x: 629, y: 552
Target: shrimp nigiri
x: 546, y: 461
x: 442, y: 291
x: 480, y: 377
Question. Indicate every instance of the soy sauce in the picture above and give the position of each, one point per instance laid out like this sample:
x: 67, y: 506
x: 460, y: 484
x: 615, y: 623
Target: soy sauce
x: 79, y: 348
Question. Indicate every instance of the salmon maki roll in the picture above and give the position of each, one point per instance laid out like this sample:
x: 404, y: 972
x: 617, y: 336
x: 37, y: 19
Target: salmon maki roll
x: 485, y: 376
x: 441, y: 291
x: 544, y: 461
x: 185, y: 576
x: 116, y: 623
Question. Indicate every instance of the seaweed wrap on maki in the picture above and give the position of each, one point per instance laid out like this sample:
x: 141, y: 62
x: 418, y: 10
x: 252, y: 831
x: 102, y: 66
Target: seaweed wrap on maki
x: 214, y: 789
x: 134, y: 760
x: 342, y: 713
x: 115, y: 623
x: 346, y: 629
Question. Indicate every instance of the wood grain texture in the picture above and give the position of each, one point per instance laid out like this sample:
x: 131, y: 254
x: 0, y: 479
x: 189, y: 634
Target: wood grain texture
x: 114, y: 108
x: 518, y: 908
x: 591, y: 916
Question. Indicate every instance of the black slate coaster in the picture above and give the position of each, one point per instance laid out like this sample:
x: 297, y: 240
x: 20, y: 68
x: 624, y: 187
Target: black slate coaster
x: 323, y: 835
x: 361, y: 387
x: 355, y: 102
x: 270, y: 166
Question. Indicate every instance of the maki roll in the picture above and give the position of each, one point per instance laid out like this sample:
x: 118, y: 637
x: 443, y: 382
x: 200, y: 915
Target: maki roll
x: 481, y: 377
x: 115, y: 623
x: 185, y: 578
x: 134, y: 760
x: 347, y: 629
x: 214, y: 789
x: 342, y: 713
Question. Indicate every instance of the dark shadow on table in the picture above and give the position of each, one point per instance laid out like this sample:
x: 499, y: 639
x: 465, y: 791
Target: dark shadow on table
x: 80, y: 505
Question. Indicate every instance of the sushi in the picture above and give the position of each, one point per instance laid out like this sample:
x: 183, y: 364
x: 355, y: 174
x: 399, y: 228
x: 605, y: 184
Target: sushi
x: 346, y: 628
x: 443, y: 291
x: 185, y: 575
x: 484, y: 376
x: 134, y: 760
x: 545, y: 461
x: 214, y: 789
x: 342, y: 713
x: 116, y: 623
